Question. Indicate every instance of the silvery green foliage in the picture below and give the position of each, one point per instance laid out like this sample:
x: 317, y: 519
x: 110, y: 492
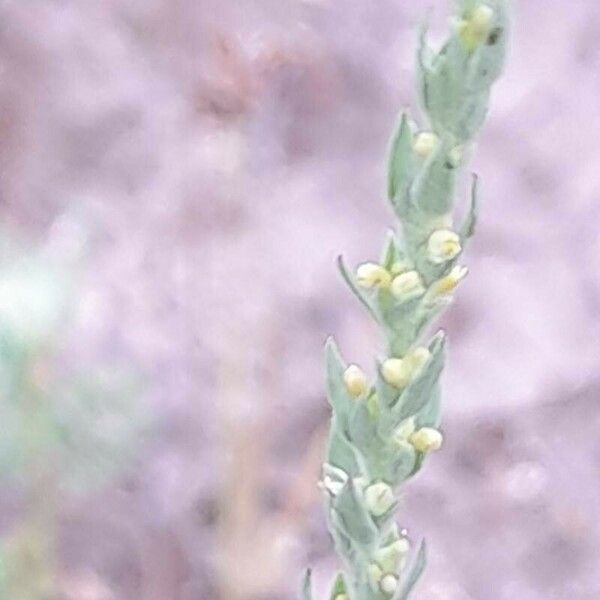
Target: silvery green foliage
x: 88, y: 421
x: 381, y: 430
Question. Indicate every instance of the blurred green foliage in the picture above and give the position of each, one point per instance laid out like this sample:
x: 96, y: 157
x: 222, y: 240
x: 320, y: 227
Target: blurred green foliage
x: 61, y: 432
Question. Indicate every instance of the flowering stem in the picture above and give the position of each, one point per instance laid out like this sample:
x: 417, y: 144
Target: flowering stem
x: 383, y: 428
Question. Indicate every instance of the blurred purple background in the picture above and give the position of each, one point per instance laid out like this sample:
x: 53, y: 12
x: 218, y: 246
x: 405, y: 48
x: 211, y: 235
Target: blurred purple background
x: 220, y: 154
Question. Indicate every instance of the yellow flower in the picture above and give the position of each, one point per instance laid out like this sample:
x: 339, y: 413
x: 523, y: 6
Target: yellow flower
x: 388, y: 584
x: 426, y: 439
x: 425, y: 143
x: 399, y: 371
x: 474, y: 30
x: 394, y: 372
x: 379, y: 498
x: 407, y: 286
x: 446, y: 285
x: 392, y: 557
x: 370, y: 275
x: 417, y: 358
x: 355, y: 381
x: 482, y: 17
x: 443, y: 245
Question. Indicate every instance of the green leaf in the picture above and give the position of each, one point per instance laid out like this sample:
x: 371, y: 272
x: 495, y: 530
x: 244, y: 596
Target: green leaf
x: 433, y: 188
x: 339, y: 398
x: 334, y: 472
x: 418, y: 392
x: 390, y: 251
x: 430, y: 414
x: 472, y: 115
x: 340, y: 451
x: 445, y: 83
x: 413, y: 575
x: 355, y: 520
x: 403, y: 465
x: 425, y: 57
x: 455, y: 83
x: 488, y: 59
x: 400, y: 164
x: 397, y: 315
x: 425, y: 315
x: 467, y: 229
x: 339, y: 587
x: 352, y: 285
x: 363, y: 429
x: 457, y: 90
x: 343, y: 544
x: 387, y: 394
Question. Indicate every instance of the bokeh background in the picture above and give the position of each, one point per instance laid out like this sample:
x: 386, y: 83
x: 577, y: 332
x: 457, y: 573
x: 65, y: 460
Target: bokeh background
x: 194, y: 167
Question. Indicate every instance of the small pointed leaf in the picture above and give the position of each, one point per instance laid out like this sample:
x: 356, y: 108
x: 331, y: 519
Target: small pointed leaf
x: 340, y: 453
x: 419, y: 390
x: 433, y: 188
x: 413, y: 575
x: 430, y: 414
x: 340, y: 399
x: 353, y: 515
x: 339, y: 587
x: 467, y: 229
x: 424, y: 61
x: 488, y: 59
x: 400, y: 164
x: 354, y: 287
x: 404, y: 463
x: 389, y: 256
x: 387, y: 394
x: 363, y: 429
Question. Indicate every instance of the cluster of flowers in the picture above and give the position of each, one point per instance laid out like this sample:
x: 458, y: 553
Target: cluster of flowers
x: 382, y: 429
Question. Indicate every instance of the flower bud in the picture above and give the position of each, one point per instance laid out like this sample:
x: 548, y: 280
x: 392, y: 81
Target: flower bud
x: 388, y: 584
x: 407, y: 286
x: 341, y: 597
x: 426, y: 439
x: 391, y: 558
x: 425, y: 143
x: 446, y: 285
x: 355, y: 381
x: 375, y: 574
x: 417, y: 358
x: 482, y: 17
x: 399, y: 371
x: 379, y: 498
x: 394, y: 372
x: 443, y: 245
x: 370, y: 275
x: 475, y: 29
